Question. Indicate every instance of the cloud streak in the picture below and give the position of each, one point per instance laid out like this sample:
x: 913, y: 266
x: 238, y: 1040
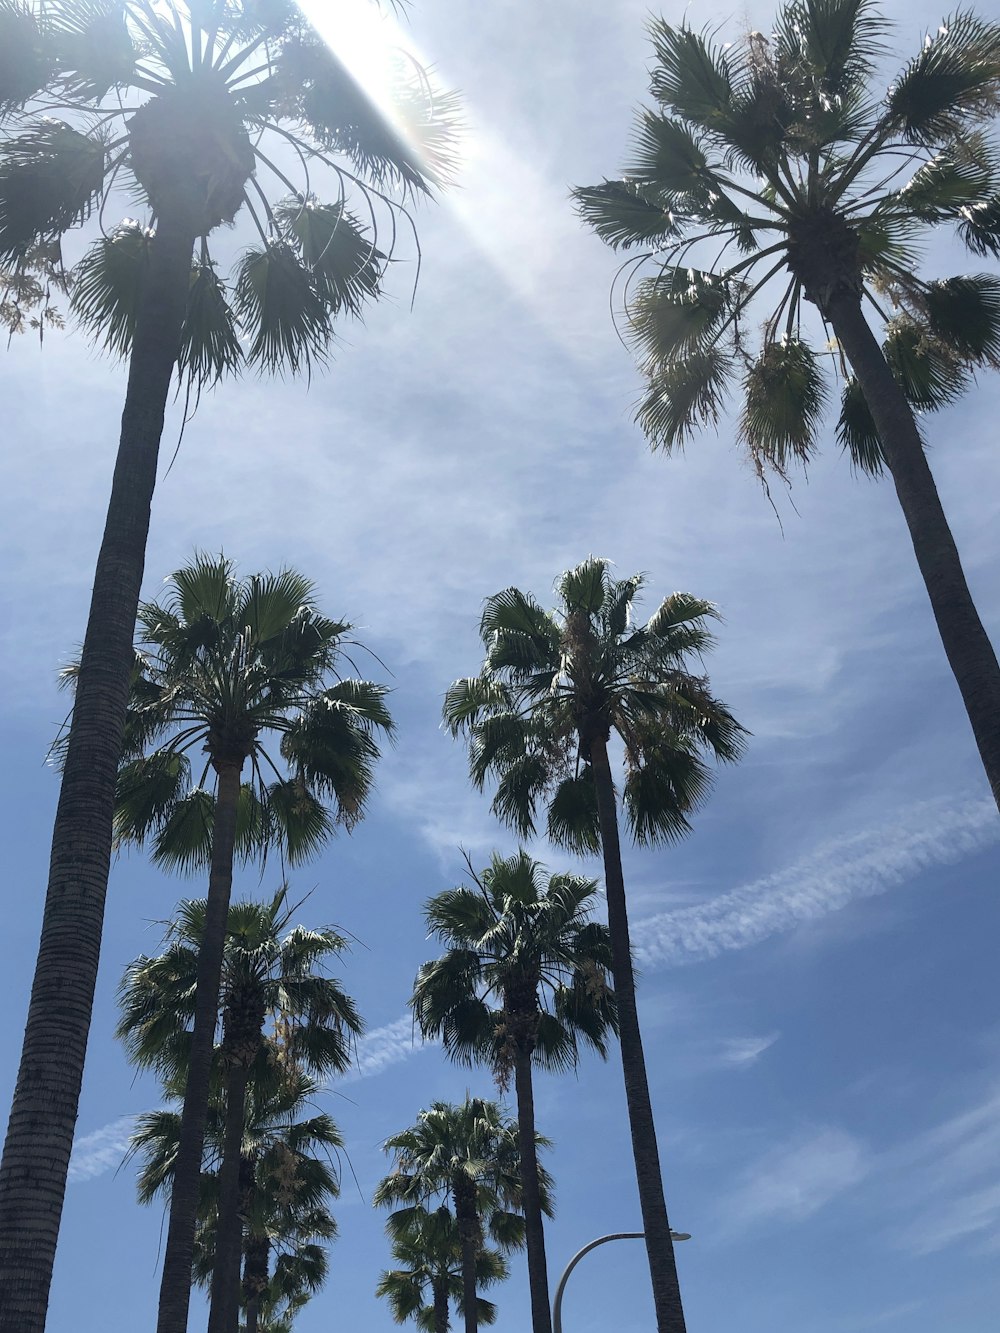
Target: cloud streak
x: 100, y: 1150
x: 862, y: 865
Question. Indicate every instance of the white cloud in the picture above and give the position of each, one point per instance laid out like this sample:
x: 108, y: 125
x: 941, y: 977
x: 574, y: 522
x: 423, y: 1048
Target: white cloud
x: 742, y: 1052
x: 797, y: 1178
x: 386, y: 1046
x: 100, y: 1150
x: 949, y: 1182
x: 859, y: 865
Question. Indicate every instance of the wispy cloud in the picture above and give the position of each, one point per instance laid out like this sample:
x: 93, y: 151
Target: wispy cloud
x: 949, y: 1182
x: 742, y: 1052
x: 860, y: 865
x: 386, y: 1046
x: 100, y: 1150
x: 795, y: 1179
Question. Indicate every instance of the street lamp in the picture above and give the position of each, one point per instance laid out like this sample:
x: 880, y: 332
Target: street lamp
x: 601, y: 1240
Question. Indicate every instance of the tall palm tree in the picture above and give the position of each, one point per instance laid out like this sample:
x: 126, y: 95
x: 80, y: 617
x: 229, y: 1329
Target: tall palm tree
x: 188, y: 112
x: 524, y: 981
x: 467, y: 1154
x: 554, y: 689
x: 426, y: 1243
x: 269, y: 972
x: 774, y: 167
x: 287, y: 1185
x: 225, y: 666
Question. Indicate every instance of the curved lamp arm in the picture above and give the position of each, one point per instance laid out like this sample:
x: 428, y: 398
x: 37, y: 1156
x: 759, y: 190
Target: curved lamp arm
x: 592, y: 1245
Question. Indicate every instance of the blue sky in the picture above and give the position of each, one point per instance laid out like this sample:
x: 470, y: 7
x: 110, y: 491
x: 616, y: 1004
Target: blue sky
x: 818, y: 960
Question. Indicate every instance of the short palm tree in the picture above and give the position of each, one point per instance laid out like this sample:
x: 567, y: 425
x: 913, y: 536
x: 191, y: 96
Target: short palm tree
x: 225, y: 667
x: 278, y: 1006
x: 774, y: 170
x: 287, y: 1184
x: 467, y: 1154
x: 523, y: 982
x: 191, y: 113
x: 554, y: 689
x: 426, y: 1245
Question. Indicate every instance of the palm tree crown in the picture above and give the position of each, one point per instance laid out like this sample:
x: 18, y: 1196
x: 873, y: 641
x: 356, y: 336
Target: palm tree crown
x: 772, y: 156
x: 192, y: 108
x: 554, y: 682
x: 427, y: 1247
x: 525, y: 966
x: 223, y: 664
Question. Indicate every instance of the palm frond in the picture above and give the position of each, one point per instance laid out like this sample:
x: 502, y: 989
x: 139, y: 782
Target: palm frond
x: 857, y: 432
x: 964, y: 313
x: 210, y: 345
x: 286, y: 318
x: 108, y: 286
x: 27, y: 61
x: 622, y: 215
x: 953, y: 83
x: 677, y: 313
x: 684, y: 395
x: 572, y: 815
x: 785, y: 399
x: 346, y: 266
x: 693, y: 76
x: 50, y: 179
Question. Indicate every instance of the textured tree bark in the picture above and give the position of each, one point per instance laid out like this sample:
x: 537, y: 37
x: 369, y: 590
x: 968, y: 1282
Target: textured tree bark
x: 46, y: 1099
x: 224, y: 1314
x: 655, y: 1225
x: 255, y: 1272
x: 538, y: 1280
x: 439, y: 1286
x: 468, y: 1234
x: 966, y: 643
x: 175, y: 1284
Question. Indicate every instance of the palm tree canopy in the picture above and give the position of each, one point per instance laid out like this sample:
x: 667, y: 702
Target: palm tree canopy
x: 772, y: 166
x: 553, y: 682
x: 427, y: 1245
x: 202, y: 110
x: 223, y: 665
x: 274, y: 972
x: 524, y: 964
x: 472, y: 1145
x: 288, y: 1149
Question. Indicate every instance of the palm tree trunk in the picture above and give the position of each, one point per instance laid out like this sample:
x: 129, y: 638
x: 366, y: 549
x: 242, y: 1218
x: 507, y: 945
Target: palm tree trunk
x: 659, y: 1243
x: 175, y: 1284
x: 255, y: 1267
x: 43, y: 1115
x: 966, y: 644
x: 538, y: 1280
x: 439, y: 1286
x: 468, y: 1235
x: 224, y: 1316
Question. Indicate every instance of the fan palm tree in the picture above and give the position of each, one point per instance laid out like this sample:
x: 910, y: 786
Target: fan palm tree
x: 775, y: 169
x: 287, y: 1183
x: 523, y: 982
x: 191, y: 112
x: 467, y: 1154
x: 426, y: 1243
x: 553, y: 690
x: 226, y: 665
x: 268, y: 970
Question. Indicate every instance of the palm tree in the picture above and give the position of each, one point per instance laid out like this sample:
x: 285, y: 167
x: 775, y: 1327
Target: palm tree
x: 224, y: 665
x: 467, y: 1154
x: 775, y: 166
x: 427, y: 1245
x: 189, y: 112
x: 267, y: 970
x: 523, y: 981
x: 553, y: 690
x: 287, y: 1184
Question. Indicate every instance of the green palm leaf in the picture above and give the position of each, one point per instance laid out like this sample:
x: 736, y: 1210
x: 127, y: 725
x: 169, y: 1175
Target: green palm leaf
x: 952, y: 82
x: 622, y: 216
x: 683, y: 396
x: 785, y: 399
x: 335, y: 248
x: 277, y: 302
x: 50, y: 179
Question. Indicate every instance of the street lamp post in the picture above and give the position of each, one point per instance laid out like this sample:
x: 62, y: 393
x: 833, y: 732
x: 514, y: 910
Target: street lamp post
x: 592, y: 1245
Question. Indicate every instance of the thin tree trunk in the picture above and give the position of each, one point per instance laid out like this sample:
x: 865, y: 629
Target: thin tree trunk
x: 224, y: 1315
x: 255, y: 1278
x: 966, y: 644
x: 659, y: 1243
x: 175, y: 1284
x: 538, y: 1280
x: 46, y: 1099
x: 468, y: 1235
x: 439, y: 1286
